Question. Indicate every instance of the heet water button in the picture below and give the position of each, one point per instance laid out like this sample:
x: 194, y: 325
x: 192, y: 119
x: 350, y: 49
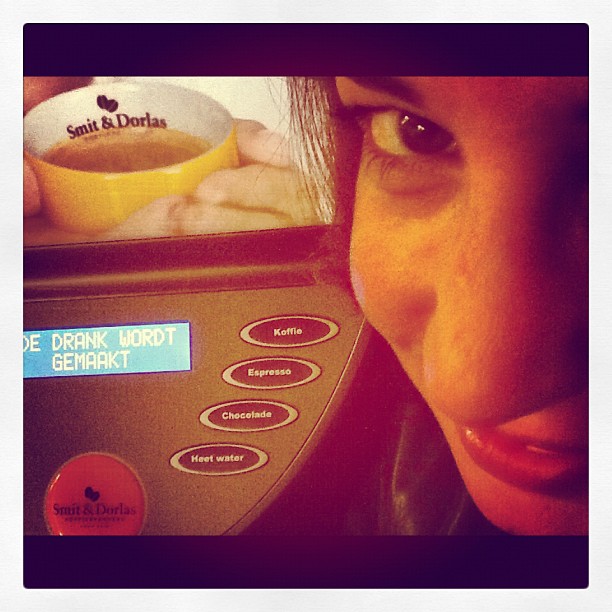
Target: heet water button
x: 95, y: 494
x: 248, y: 415
x: 271, y: 373
x: 289, y: 331
x: 219, y: 459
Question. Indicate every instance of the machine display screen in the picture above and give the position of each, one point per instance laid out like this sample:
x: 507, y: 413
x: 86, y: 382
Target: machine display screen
x: 91, y: 351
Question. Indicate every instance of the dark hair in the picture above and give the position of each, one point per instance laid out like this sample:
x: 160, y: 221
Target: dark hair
x: 331, y: 170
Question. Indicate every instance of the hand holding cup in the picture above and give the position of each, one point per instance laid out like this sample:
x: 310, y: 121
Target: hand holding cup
x: 264, y: 192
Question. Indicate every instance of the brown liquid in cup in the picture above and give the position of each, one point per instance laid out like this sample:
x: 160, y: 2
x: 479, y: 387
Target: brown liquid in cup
x: 127, y: 150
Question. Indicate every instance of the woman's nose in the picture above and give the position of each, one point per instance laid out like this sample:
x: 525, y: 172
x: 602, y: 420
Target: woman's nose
x: 509, y: 333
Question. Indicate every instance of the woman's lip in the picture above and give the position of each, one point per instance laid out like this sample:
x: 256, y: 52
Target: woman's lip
x: 528, y: 464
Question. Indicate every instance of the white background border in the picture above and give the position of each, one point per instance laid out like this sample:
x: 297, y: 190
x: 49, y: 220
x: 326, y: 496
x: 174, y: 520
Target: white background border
x: 13, y: 597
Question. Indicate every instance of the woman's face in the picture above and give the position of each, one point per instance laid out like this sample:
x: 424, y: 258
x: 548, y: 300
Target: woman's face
x: 469, y: 255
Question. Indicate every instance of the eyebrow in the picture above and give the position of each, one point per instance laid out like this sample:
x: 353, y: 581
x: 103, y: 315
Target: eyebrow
x: 390, y: 85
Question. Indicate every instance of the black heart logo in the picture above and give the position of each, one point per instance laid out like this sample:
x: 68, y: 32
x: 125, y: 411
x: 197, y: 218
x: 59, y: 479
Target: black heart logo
x: 108, y: 105
x: 91, y: 494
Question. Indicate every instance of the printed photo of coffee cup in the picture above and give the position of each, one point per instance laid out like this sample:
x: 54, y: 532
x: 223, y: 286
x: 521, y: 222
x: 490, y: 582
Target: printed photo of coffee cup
x: 104, y: 151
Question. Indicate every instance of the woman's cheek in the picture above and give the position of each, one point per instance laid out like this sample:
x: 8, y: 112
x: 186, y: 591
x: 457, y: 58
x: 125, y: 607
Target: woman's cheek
x: 391, y: 291
x: 357, y: 284
x: 404, y: 247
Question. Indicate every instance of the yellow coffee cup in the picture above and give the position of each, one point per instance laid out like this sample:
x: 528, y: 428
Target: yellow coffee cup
x: 103, y: 151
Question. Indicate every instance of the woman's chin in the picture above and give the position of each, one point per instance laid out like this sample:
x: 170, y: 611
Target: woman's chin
x: 520, y: 502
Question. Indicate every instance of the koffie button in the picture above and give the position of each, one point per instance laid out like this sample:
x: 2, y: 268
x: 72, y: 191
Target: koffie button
x: 218, y: 459
x: 289, y: 331
x: 248, y: 415
x: 271, y: 373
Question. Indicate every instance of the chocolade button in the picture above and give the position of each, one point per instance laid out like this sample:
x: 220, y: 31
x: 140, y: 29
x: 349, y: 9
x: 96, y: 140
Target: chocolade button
x: 218, y: 459
x: 248, y: 415
x: 271, y: 373
x: 95, y: 494
x: 289, y: 331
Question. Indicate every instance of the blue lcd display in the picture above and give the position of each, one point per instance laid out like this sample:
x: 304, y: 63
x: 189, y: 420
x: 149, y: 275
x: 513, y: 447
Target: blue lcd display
x: 121, y: 349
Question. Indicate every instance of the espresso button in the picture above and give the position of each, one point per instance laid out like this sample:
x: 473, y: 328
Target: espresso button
x: 290, y: 331
x: 218, y: 459
x: 248, y: 415
x: 271, y: 373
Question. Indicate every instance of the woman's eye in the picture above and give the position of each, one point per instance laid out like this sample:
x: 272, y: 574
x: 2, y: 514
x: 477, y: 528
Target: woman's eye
x: 400, y: 133
x: 402, y: 153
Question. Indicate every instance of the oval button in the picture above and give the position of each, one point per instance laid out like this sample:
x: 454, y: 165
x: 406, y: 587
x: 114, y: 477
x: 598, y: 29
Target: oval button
x: 289, y: 331
x: 219, y: 459
x: 248, y: 415
x: 271, y: 373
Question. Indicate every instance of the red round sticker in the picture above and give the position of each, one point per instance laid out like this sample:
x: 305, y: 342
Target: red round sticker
x: 95, y: 494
